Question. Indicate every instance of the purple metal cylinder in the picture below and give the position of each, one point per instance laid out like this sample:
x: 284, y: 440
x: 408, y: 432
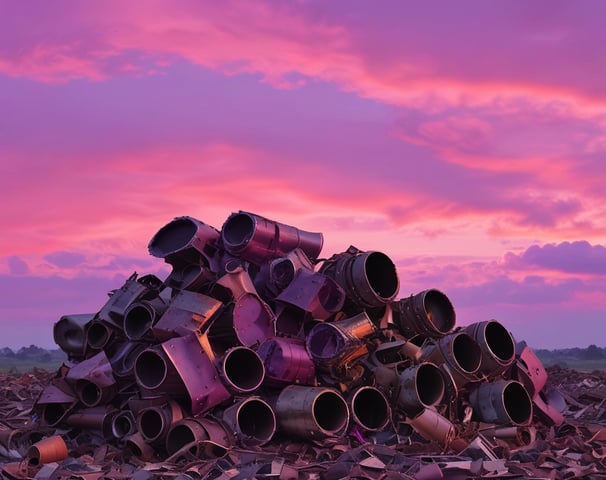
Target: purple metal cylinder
x: 496, y: 344
x: 429, y: 313
x: 242, y: 370
x: 154, y: 423
x: 252, y: 420
x: 369, y: 408
x: 369, y: 279
x: 287, y: 362
x: 258, y: 239
x: 70, y: 333
x: 185, y: 240
x: 502, y: 402
x: 421, y: 386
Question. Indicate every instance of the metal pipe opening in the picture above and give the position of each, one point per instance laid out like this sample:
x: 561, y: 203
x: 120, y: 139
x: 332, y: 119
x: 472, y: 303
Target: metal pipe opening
x: 150, y: 369
x: 243, y: 369
x: 370, y: 409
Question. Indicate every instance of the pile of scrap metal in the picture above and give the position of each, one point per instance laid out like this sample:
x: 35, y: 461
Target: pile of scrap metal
x: 254, y: 340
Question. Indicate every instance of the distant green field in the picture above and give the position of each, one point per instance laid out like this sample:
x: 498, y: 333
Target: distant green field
x: 26, y: 365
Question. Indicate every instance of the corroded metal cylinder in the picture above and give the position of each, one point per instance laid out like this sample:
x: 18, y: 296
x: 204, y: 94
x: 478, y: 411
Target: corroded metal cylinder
x: 369, y: 279
x: 504, y: 402
x: 458, y: 355
x: 496, y: 344
x: 369, y: 408
x: 154, y: 423
x: 155, y: 371
x: 252, y: 420
x: 123, y: 424
x: 97, y: 418
x: 433, y: 426
x: 421, y: 386
x: 70, y: 333
x: 47, y: 450
x: 311, y: 412
x: 286, y: 361
x: 99, y: 334
x: 429, y: 313
x: 242, y: 370
x: 258, y: 239
x: 203, y: 437
x: 184, y: 240
x: 93, y: 380
x: 332, y: 343
x: 140, y: 316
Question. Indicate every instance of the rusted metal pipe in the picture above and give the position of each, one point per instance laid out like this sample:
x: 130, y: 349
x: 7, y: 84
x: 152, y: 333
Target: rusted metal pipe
x: 96, y: 418
x: 99, y: 334
x: 47, y: 450
x: 123, y: 424
x: 429, y: 313
x: 330, y: 344
x: 369, y: 408
x: 311, y: 412
x: 242, y: 370
x: 458, y: 355
x: 496, y: 344
x: 286, y: 361
x: 184, y: 240
x: 433, y: 426
x: 258, y: 239
x: 421, y: 386
x: 369, y: 279
x: 203, y: 437
x: 155, y: 371
x: 93, y: 380
x: 69, y: 333
x: 140, y: 316
x: 154, y: 423
x: 504, y: 402
x: 252, y: 420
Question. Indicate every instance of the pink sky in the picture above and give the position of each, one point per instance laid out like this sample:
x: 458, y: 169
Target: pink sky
x: 463, y: 139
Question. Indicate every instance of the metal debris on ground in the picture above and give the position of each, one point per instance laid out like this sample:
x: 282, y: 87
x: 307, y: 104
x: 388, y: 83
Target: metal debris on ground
x: 257, y: 358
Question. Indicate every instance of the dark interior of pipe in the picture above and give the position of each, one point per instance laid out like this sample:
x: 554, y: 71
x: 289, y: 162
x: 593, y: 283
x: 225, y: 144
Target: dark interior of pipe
x: 466, y: 352
x: 121, y: 426
x: 173, y: 237
x: 89, y: 393
x: 330, y: 412
x: 137, y: 321
x: 244, y: 369
x: 499, y: 341
x: 330, y: 296
x: 324, y: 341
x: 440, y: 311
x: 381, y: 274
x: 150, y: 369
x: 282, y: 272
x: 256, y: 420
x: 238, y: 229
x: 179, y: 436
x: 151, y: 424
x: 97, y: 335
x: 370, y: 408
x: 517, y: 403
x: 429, y: 384
x: 53, y: 412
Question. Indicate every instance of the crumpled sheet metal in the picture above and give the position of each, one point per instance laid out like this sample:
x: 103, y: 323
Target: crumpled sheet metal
x: 268, y: 328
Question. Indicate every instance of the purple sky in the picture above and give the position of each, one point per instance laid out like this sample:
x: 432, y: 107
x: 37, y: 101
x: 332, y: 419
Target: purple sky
x: 465, y: 140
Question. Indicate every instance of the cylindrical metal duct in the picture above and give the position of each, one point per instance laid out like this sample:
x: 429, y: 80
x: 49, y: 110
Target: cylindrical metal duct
x: 191, y: 277
x: 92, y: 394
x: 205, y: 437
x: 155, y: 371
x: 258, y: 239
x: 242, y: 370
x: 332, y: 343
x: 155, y: 422
x: 369, y: 279
x: 70, y: 333
x: 141, y: 316
x: 433, y: 427
x: 99, y: 334
x: 123, y: 424
x: 252, y: 420
x: 183, y: 241
x: 287, y: 361
x: 496, y: 344
x: 311, y: 412
x: 122, y: 356
x: 504, y: 402
x: 96, y: 418
x: 429, y: 313
x: 139, y: 447
x: 458, y: 355
x: 369, y: 408
x: 421, y: 386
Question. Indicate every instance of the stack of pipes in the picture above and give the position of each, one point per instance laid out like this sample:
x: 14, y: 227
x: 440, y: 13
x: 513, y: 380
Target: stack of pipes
x: 253, y: 336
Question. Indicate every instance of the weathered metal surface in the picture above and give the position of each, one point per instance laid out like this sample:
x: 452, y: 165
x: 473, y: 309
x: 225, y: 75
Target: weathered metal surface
x: 254, y: 359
